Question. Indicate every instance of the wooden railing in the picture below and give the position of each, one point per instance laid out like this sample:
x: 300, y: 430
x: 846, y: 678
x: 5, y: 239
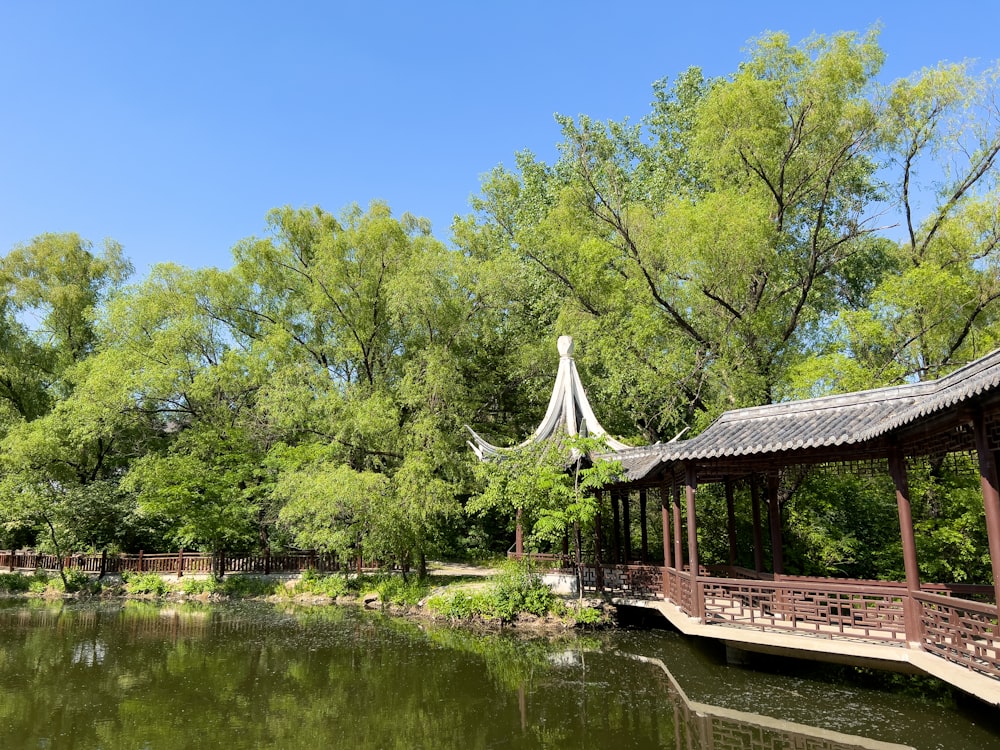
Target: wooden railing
x: 960, y: 630
x: 829, y: 610
x: 180, y: 563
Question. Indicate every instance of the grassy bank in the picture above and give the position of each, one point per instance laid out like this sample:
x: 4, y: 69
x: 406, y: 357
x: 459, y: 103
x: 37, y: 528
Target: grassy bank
x: 515, y: 595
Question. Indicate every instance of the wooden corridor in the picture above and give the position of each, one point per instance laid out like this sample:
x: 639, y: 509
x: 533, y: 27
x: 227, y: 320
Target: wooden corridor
x: 853, y: 622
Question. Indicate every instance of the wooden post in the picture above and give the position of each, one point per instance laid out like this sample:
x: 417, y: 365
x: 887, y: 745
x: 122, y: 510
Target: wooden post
x: 690, y: 485
x: 665, y: 522
x: 627, y: 525
x: 267, y: 560
x: 668, y: 561
x: 911, y: 610
x: 12, y: 552
x: 643, y: 533
x: 140, y: 561
x: 180, y: 562
x: 678, y: 548
x: 615, y: 531
x: 731, y: 521
x: 758, y: 537
x: 774, y: 517
x: 518, y: 537
x: 991, y: 494
x: 599, y: 543
x: 104, y: 563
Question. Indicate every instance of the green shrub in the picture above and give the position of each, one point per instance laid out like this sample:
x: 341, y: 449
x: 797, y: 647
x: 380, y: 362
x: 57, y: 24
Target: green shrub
x: 77, y: 580
x: 14, y: 583
x: 144, y: 584
x: 38, y: 582
x: 587, y: 616
x: 461, y: 605
x: 246, y: 587
x: 391, y: 587
x: 198, y: 586
x: 519, y: 589
x: 318, y: 584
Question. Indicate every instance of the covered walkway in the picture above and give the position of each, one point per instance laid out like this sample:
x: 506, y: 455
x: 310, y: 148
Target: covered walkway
x: 948, y: 630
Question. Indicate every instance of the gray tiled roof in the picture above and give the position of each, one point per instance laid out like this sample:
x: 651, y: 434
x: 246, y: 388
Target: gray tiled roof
x: 846, y: 419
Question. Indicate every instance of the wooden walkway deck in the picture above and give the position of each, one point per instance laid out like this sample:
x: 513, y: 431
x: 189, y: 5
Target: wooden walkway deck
x: 868, y: 623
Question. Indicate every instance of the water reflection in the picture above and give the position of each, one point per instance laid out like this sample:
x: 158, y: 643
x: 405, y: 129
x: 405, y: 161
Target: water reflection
x: 699, y: 726
x: 252, y: 676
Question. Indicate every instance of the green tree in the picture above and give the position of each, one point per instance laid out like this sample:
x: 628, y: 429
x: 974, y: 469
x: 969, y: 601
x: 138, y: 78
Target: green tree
x: 713, y: 239
x: 940, y: 308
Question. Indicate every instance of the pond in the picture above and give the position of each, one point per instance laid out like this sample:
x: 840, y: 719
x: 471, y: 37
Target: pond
x: 102, y: 675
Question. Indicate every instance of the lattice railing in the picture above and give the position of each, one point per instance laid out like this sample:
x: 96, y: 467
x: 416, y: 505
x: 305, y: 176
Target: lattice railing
x: 961, y: 631
x: 830, y: 610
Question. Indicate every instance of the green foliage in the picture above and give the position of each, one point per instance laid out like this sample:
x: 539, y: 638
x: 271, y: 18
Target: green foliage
x: 145, y: 584
x: 247, y: 586
x: 392, y: 588
x: 550, y: 485
x: 200, y: 586
x: 318, y: 584
x: 14, y: 583
x: 39, y: 582
x: 517, y: 589
x: 722, y: 252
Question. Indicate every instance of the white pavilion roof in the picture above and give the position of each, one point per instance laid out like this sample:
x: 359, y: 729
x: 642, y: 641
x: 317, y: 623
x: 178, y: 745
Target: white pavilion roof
x: 568, y: 413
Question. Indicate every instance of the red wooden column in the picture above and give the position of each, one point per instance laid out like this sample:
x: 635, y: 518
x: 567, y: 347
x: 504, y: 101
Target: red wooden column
x: 518, y: 537
x: 668, y: 561
x: 731, y: 520
x: 599, y: 542
x: 643, y: 532
x: 758, y: 537
x: 897, y: 469
x: 991, y: 494
x: 678, y: 549
x: 774, y: 517
x: 627, y: 526
x: 690, y: 485
x: 616, y: 545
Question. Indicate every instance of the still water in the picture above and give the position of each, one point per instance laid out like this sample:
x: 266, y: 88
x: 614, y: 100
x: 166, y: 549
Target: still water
x: 134, y: 675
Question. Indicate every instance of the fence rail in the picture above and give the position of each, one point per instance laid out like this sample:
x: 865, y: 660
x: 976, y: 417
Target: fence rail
x: 180, y: 563
x: 957, y: 622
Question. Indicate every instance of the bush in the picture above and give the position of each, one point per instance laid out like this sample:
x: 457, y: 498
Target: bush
x: 318, y: 584
x: 14, y: 583
x: 77, y: 580
x: 462, y: 605
x: 198, y: 586
x: 144, y: 584
x: 38, y: 582
x: 246, y: 587
x: 519, y: 589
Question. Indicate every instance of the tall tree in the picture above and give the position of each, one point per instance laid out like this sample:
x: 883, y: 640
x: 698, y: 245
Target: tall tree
x: 698, y: 253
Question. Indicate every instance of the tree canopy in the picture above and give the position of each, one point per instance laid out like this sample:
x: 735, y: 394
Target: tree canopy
x: 796, y: 228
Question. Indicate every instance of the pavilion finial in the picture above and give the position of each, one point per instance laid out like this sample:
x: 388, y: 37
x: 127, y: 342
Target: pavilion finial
x: 565, y: 346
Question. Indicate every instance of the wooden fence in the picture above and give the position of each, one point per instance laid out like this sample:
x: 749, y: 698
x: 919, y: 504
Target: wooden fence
x: 180, y: 563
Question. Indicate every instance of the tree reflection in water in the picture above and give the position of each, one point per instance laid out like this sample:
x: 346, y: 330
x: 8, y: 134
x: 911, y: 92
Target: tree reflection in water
x: 254, y: 676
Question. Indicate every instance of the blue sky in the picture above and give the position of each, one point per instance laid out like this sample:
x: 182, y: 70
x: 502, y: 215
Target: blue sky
x: 173, y: 127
